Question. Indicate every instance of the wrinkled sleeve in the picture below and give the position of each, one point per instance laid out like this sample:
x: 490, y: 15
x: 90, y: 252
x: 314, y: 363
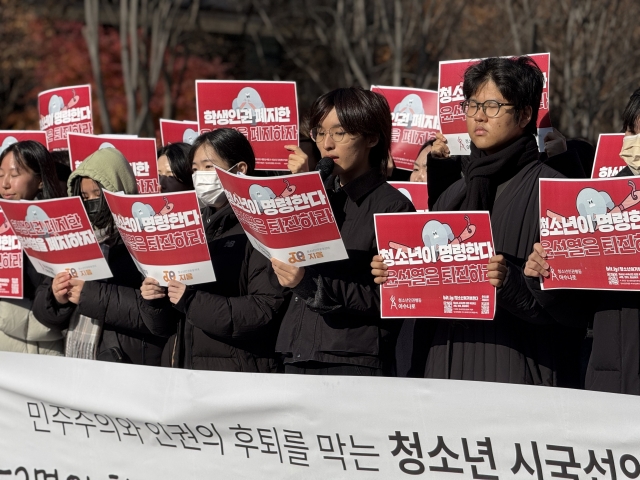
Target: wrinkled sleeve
x: 48, y: 311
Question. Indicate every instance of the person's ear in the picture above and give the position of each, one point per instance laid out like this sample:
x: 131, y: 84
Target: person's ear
x: 525, y: 116
x: 242, y: 167
x: 40, y: 186
x: 372, y: 141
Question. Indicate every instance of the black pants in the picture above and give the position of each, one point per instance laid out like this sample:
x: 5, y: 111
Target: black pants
x: 317, y: 368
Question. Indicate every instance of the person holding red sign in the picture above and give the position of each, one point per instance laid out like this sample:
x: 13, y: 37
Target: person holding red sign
x: 333, y: 324
x: 523, y: 344
x: 615, y: 353
x: 231, y: 324
x: 27, y: 172
x: 102, y: 316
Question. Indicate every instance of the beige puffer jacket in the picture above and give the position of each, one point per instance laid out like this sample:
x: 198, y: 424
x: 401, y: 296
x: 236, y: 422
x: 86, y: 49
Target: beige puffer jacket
x: 21, y: 332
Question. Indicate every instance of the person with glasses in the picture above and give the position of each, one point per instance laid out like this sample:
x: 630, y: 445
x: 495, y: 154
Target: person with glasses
x: 230, y: 324
x: 523, y: 344
x: 333, y: 325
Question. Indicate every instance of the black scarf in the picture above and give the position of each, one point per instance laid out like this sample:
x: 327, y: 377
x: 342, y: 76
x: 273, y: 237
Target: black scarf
x: 483, y: 173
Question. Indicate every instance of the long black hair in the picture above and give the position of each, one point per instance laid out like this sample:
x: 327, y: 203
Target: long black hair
x: 631, y: 114
x: 178, y: 156
x: 230, y: 145
x: 32, y: 155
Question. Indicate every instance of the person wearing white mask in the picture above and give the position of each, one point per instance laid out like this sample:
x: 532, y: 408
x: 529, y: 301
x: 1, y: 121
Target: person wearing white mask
x: 230, y: 324
x: 615, y: 355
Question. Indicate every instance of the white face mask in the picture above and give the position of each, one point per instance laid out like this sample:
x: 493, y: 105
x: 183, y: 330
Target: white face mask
x: 630, y: 153
x: 209, y: 188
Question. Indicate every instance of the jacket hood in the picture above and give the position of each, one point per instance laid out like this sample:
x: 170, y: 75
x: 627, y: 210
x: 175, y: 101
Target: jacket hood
x: 108, y: 167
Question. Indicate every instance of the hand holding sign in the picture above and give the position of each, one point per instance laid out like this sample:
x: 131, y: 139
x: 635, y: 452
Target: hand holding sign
x: 497, y: 270
x: 76, y: 290
x: 288, y: 275
x: 151, y: 289
x: 298, y: 160
x: 440, y: 148
x: 61, y: 286
x: 176, y: 291
x: 379, y: 269
x: 536, y: 265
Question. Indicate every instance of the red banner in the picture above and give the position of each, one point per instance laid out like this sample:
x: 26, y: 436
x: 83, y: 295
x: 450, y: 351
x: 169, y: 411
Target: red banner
x: 139, y: 152
x: 57, y: 236
x: 164, y: 235
x: 414, y: 117
x: 590, y: 230
x: 437, y: 265
x: 608, y: 162
x: 65, y: 110
x: 9, y: 137
x: 264, y: 112
x: 287, y: 217
x: 417, y: 192
x: 10, y: 261
x: 453, y: 119
x: 174, y: 131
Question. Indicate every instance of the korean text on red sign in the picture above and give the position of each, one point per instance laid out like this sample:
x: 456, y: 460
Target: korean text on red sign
x: 57, y: 236
x: 437, y: 265
x: 450, y: 96
x: 264, y: 112
x: 287, y: 217
x: 65, y: 110
x: 139, y: 152
x: 590, y: 230
x: 11, y: 285
x: 164, y: 235
x: 414, y: 120
x: 608, y: 162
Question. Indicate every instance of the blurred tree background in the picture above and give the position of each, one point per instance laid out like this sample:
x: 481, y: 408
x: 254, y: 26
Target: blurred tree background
x: 143, y: 56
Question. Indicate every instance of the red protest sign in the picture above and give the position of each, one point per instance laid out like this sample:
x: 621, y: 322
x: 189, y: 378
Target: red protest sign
x: 453, y: 119
x: 11, y: 285
x: 174, y: 131
x: 64, y: 110
x: 414, y: 117
x: 417, y: 192
x: 9, y: 137
x: 57, y: 236
x: 590, y: 230
x: 139, y: 152
x: 264, y: 112
x: 437, y: 265
x: 608, y: 162
x: 287, y: 217
x: 164, y: 235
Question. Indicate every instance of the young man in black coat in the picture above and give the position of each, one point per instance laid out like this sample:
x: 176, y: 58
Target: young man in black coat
x: 523, y: 344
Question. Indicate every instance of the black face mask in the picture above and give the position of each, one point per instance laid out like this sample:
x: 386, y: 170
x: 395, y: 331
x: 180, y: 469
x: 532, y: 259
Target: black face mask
x: 172, y: 184
x: 92, y: 207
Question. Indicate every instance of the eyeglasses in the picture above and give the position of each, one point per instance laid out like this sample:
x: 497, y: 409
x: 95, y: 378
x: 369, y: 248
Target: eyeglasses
x: 491, y: 108
x: 336, y: 133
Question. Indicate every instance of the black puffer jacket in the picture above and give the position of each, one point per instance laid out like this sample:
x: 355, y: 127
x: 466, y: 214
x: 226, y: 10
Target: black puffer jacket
x: 230, y: 324
x: 114, y: 301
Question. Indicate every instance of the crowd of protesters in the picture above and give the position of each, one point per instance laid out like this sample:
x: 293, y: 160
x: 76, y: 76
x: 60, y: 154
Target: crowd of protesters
x: 264, y: 315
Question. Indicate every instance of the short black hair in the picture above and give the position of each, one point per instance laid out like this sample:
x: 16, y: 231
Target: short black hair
x: 519, y: 80
x: 631, y: 114
x: 428, y: 143
x: 34, y: 156
x: 178, y: 156
x: 230, y: 145
x: 360, y: 112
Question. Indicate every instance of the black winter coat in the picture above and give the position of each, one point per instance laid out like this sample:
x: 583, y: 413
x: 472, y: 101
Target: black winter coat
x: 228, y: 325
x: 524, y: 343
x: 334, y: 315
x: 114, y: 301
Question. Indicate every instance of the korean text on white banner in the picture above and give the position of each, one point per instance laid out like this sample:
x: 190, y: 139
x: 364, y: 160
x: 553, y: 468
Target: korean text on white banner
x: 11, y: 281
x: 175, y: 131
x: 141, y: 154
x: 416, y: 192
x: 77, y: 419
x: 164, y: 235
x: 608, y: 162
x: 264, y: 112
x: 287, y: 217
x: 57, y: 237
x: 450, y: 96
x: 65, y: 110
x: 437, y: 265
x: 9, y: 137
x: 414, y: 121
x: 590, y: 230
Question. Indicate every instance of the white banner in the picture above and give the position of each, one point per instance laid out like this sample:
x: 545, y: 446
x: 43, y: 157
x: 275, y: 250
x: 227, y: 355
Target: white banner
x: 78, y: 419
